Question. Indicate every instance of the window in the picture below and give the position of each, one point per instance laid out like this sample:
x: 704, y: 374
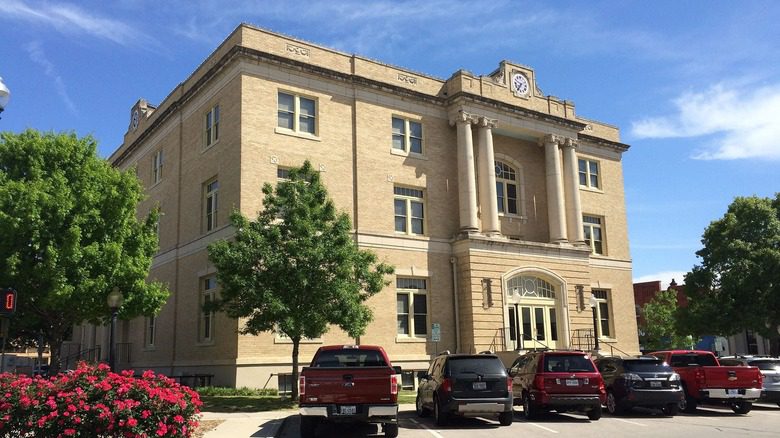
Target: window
x: 211, y: 204
x: 412, y: 307
x: 409, y: 210
x: 206, y: 323
x: 157, y: 165
x: 282, y: 174
x: 602, y: 312
x: 297, y: 113
x: 506, y: 188
x: 407, y: 135
x: 285, y: 384
x: 150, y: 322
x: 212, y: 126
x: 532, y: 287
x: 589, y: 173
x: 593, y: 235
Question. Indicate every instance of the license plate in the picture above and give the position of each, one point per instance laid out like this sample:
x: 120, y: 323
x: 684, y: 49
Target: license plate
x: 655, y: 384
x: 572, y: 382
x: 732, y: 392
x: 347, y: 410
x: 479, y: 385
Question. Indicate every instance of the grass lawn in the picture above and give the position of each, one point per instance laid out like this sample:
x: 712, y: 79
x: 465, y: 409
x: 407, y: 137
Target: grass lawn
x: 241, y: 400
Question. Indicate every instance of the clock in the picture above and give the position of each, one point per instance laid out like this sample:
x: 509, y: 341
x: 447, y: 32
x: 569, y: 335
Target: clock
x: 134, y: 121
x: 520, y: 83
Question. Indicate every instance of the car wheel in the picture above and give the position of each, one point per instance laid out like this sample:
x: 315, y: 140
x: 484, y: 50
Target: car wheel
x: 671, y: 409
x: 308, y: 427
x: 422, y: 411
x: 741, y: 407
x: 391, y: 430
x: 595, y: 413
x: 441, y: 417
x: 529, y: 411
x: 613, y: 406
x: 687, y: 403
x: 505, y: 418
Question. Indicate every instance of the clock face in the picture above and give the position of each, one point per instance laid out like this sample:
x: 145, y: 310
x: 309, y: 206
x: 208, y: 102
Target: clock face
x: 134, y: 122
x: 520, y: 83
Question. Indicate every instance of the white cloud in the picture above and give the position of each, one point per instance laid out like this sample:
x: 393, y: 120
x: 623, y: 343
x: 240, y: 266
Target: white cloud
x: 664, y: 277
x: 67, y: 18
x: 38, y: 56
x: 742, y: 122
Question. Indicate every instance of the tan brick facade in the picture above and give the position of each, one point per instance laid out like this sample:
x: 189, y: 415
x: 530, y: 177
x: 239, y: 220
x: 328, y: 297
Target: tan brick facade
x: 469, y: 275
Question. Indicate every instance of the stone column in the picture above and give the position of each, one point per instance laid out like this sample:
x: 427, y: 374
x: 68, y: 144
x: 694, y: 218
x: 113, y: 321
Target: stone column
x: 467, y: 185
x: 487, y: 178
x: 571, y: 181
x: 555, y: 200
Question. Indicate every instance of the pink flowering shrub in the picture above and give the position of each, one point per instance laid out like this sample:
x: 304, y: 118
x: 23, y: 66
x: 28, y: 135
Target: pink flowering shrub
x: 94, y: 402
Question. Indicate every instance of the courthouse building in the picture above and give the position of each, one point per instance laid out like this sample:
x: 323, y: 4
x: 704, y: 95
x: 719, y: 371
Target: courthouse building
x: 502, y: 210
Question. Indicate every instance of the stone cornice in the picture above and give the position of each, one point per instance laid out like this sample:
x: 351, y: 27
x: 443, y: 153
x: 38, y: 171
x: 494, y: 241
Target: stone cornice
x: 620, y: 147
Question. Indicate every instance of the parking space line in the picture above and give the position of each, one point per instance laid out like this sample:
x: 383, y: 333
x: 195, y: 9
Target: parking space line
x: 432, y: 432
x: 629, y: 422
x: 543, y: 428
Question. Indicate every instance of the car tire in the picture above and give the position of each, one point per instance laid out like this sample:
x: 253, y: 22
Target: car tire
x: 308, y: 427
x: 741, y: 407
x: 613, y: 405
x: 506, y: 418
x: 422, y: 411
x: 671, y: 409
x: 687, y: 403
x: 442, y: 418
x: 529, y: 411
x: 595, y: 413
x: 390, y: 429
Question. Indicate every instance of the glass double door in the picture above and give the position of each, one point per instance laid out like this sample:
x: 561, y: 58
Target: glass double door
x: 532, y: 326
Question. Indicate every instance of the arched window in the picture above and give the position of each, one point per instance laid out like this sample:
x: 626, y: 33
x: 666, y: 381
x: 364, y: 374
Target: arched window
x: 506, y: 188
x: 533, y: 287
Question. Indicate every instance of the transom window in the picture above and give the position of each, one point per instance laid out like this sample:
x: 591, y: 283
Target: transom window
x: 506, y: 188
x: 602, y: 312
x: 593, y: 234
x: 157, y: 165
x: 297, y: 113
x: 526, y: 286
x: 206, y: 320
x: 211, y: 204
x: 212, y: 126
x: 412, y: 307
x: 589, y: 173
x: 409, y: 210
x: 407, y: 135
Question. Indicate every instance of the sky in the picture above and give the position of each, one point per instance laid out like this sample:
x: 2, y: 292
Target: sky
x: 694, y: 86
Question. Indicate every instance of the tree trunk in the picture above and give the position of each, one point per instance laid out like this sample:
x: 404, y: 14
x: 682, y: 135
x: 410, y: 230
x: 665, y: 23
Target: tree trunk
x: 296, y: 343
x: 774, y: 346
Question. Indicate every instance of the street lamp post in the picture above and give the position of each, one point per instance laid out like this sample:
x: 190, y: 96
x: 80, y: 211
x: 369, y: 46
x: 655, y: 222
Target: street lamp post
x: 114, y: 303
x: 593, y: 304
x: 5, y: 95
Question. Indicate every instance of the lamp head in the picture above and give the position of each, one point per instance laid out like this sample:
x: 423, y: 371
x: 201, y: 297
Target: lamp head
x: 592, y: 301
x: 5, y: 95
x: 115, y: 299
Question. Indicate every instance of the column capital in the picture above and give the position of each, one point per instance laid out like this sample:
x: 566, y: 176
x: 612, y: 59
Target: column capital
x: 551, y: 138
x: 485, y: 122
x: 463, y: 117
x: 569, y: 143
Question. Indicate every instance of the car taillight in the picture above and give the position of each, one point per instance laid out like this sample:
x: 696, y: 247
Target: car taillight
x: 602, y: 388
x: 699, y: 376
x: 446, y: 385
x: 302, y: 386
x: 539, y: 383
x: 760, y: 381
x: 632, y: 379
x: 394, y: 384
x: 509, y: 385
x: 674, y: 380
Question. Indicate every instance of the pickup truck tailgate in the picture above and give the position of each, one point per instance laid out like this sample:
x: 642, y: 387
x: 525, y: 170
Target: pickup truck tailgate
x: 730, y: 377
x: 349, y: 385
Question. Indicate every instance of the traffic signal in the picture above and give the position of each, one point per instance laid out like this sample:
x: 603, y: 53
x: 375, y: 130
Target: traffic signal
x: 8, y: 303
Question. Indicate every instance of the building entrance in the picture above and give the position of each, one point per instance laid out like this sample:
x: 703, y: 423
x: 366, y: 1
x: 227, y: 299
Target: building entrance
x: 532, y: 326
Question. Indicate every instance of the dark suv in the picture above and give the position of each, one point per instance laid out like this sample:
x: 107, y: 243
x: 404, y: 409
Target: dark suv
x: 473, y: 385
x: 770, y: 369
x: 643, y: 381
x: 557, y: 380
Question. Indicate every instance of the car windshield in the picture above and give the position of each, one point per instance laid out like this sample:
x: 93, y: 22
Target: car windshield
x: 568, y: 363
x: 646, y: 366
x: 475, y: 365
x: 693, y: 360
x: 349, y: 358
x: 766, y: 365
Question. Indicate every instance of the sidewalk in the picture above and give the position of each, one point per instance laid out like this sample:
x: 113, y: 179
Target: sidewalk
x: 247, y: 424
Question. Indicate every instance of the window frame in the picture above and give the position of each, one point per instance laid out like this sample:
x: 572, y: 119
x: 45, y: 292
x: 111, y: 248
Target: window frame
x: 297, y: 115
x: 503, y: 206
x: 206, y: 319
x: 589, y: 175
x: 150, y: 331
x: 588, y: 229
x: 603, y: 297
x: 406, y: 136
x: 157, y: 166
x: 411, y: 294
x: 210, y: 205
x: 409, y: 219
x: 211, y: 127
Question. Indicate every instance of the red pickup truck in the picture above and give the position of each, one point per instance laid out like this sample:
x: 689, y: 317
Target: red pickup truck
x: 349, y: 383
x: 704, y: 380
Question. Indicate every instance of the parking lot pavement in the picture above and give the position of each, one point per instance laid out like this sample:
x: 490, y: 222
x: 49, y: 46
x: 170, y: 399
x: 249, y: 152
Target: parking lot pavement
x: 244, y: 425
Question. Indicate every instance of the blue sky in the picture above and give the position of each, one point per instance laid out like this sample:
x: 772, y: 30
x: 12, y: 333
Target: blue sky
x: 694, y: 86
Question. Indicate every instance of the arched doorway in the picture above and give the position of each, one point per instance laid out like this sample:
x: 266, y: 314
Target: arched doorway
x: 533, y: 316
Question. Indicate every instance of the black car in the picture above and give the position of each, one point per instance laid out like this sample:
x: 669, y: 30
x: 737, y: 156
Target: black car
x: 468, y: 385
x: 643, y: 381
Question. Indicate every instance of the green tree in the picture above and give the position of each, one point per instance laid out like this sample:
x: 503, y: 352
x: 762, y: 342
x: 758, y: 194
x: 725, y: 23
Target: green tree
x: 660, y: 327
x: 69, y: 235
x: 297, y: 268
x: 737, y: 284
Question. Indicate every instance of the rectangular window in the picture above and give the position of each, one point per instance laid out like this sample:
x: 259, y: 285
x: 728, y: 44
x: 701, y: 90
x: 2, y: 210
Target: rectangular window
x: 211, y: 204
x: 407, y: 135
x: 206, y: 323
x: 412, y: 307
x: 157, y: 165
x: 297, y: 113
x: 593, y: 234
x: 212, y: 126
x: 282, y: 173
x: 409, y: 210
x: 602, y: 312
x: 589, y: 173
x: 150, y: 323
